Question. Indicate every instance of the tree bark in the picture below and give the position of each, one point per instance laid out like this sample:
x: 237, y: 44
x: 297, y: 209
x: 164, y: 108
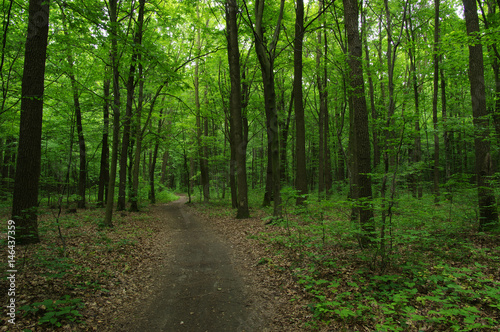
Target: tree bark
x: 266, y: 55
x: 134, y: 192
x: 82, y: 174
x: 128, y: 110
x: 300, y: 129
x: 488, y: 215
x: 25, y: 200
x: 416, y: 177
x: 435, y: 187
x: 361, y: 133
x: 104, y: 165
x: 235, y: 105
x: 113, y: 13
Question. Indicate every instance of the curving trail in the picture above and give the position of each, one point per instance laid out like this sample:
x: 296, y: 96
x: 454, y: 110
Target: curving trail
x: 198, y: 289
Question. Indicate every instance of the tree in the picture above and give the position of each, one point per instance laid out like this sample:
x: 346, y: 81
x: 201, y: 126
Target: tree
x: 266, y: 53
x: 435, y: 187
x: 113, y: 13
x: 82, y: 174
x: 25, y: 200
x: 361, y: 147
x: 300, y: 130
x: 488, y: 215
x: 131, y: 83
x: 104, y: 165
x: 201, y: 122
x: 235, y: 105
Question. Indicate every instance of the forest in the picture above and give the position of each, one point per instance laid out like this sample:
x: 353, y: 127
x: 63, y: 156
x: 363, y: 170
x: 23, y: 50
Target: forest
x: 362, y: 137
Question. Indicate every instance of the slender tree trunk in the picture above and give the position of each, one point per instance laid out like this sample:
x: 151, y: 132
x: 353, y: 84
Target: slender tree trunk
x: 235, y: 104
x: 152, y: 191
x: 371, y: 91
x: 113, y: 12
x: 128, y: 109
x: 266, y: 55
x: 435, y: 187
x: 232, y: 167
x: 324, y: 96
x: 25, y: 200
x: 488, y: 215
x: 360, y: 111
x: 300, y: 129
x: 416, y: 178
x: 444, y: 115
x: 104, y: 165
x: 200, y: 125
x: 164, y: 163
x: 134, y: 193
x: 82, y: 175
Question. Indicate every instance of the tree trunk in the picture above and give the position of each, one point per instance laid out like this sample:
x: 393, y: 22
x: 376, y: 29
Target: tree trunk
x: 104, y: 165
x: 435, y: 187
x: 300, y: 129
x: 113, y: 12
x: 200, y: 125
x: 82, y: 175
x: 128, y: 109
x: 25, y: 200
x: 232, y: 167
x: 152, y: 191
x: 416, y: 177
x: 266, y: 55
x: 488, y: 216
x: 362, y: 144
x: 371, y: 89
x: 164, y: 164
x: 235, y: 105
x: 134, y: 192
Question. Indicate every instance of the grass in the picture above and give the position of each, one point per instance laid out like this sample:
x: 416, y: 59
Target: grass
x: 433, y: 271
x: 60, y: 283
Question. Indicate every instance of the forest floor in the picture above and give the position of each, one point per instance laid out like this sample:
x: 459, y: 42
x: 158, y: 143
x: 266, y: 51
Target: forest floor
x: 194, y: 267
x: 169, y: 268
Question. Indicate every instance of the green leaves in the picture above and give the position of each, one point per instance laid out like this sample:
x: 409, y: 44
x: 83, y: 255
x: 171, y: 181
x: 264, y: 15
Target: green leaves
x: 56, y: 312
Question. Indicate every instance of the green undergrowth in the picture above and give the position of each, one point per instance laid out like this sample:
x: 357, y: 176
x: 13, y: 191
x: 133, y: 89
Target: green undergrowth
x: 166, y: 196
x: 431, y: 271
x: 76, y: 265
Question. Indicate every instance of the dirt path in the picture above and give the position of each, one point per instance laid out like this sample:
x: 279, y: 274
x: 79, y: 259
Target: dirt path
x: 197, y: 288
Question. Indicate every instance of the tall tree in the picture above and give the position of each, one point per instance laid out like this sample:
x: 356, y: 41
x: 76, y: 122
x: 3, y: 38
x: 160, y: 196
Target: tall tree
x: 201, y: 122
x: 435, y: 187
x: 104, y: 165
x: 488, y: 215
x: 131, y: 83
x: 82, y: 174
x: 300, y: 129
x: 416, y: 156
x: 235, y: 105
x: 138, y: 139
x: 361, y: 148
x: 113, y: 15
x: 25, y: 200
x: 266, y: 53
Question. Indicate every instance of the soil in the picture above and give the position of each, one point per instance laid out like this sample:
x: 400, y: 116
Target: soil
x: 171, y: 267
x: 197, y: 288
x: 206, y: 280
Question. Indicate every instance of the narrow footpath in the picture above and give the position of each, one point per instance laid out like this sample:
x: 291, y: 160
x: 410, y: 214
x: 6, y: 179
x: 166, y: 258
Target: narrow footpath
x: 197, y: 288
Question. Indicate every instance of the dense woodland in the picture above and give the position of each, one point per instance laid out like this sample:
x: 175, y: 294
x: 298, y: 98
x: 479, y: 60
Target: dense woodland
x: 353, y: 106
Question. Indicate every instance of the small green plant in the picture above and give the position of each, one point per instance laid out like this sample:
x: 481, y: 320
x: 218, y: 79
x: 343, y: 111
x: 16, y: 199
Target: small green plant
x: 166, y: 196
x: 55, y: 312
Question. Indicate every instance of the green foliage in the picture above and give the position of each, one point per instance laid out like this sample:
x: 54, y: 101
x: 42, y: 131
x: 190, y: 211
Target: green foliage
x: 166, y: 196
x: 437, y: 272
x: 55, y: 312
